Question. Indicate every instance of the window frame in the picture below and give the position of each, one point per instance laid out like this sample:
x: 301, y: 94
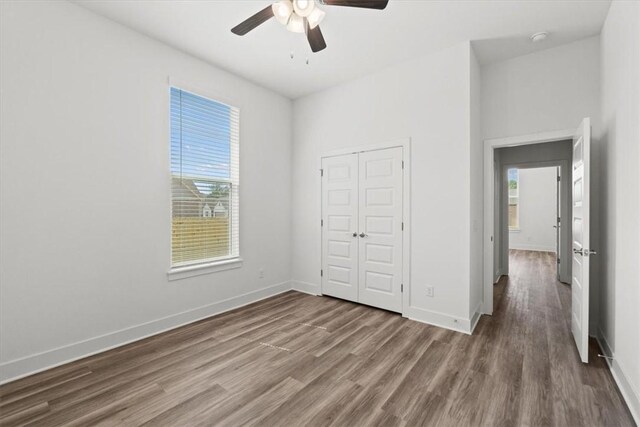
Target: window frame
x: 515, y: 228
x: 182, y: 270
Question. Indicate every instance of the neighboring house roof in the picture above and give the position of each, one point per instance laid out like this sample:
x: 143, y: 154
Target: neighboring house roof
x: 219, y: 208
x: 189, y: 201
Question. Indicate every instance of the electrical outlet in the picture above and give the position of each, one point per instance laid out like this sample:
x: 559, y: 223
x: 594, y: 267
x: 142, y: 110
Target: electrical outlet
x: 261, y: 273
x: 429, y: 291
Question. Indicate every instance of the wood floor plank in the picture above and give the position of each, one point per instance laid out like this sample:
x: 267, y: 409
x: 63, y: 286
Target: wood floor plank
x: 298, y: 359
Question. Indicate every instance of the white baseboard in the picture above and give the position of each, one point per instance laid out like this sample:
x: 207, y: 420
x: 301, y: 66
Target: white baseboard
x: 476, y: 317
x: 441, y: 320
x: 29, y: 365
x: 630, y: 395
x: 306, y: 287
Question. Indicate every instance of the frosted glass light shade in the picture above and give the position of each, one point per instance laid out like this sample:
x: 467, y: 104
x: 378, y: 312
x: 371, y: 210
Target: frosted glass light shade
x: 282, y: 10
x: 296, y: 24
x: 304, y: 7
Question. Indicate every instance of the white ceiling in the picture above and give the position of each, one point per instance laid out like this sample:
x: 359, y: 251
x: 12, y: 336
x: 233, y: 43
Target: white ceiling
x: 359, y: 41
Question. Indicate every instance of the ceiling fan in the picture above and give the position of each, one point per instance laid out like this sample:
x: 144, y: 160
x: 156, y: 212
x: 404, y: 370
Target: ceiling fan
x: 302, y: 16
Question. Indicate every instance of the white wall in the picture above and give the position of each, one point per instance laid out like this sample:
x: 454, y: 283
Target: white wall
x: 426, y: 99
x: 537, y: 210
x: 548, y: 90
x: 85, y: 187
x: 620, y: 207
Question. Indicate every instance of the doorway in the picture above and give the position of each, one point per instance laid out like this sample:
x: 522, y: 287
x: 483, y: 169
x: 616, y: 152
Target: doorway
x: 533, y: 209
x: 570, y: 150
x: 551, y: 232
x: 534, y: 202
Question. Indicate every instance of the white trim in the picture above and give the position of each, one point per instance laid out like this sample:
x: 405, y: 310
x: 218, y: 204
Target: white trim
x: 178, y: 273
x: 400, y: 142
x: 477, y: 312
x: 306, y: 287
x: 436, y: 318
x: 204, y: 90
x: 489, y: 146
x: 532, y: 138
x: 29, y: 365
x: 537, y: 248
x: 405, y: 143
x: 629, y: 394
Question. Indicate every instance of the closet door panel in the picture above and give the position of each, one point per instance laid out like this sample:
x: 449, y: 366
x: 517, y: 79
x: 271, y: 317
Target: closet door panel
x: 340, y: 223
x: 380, y: 235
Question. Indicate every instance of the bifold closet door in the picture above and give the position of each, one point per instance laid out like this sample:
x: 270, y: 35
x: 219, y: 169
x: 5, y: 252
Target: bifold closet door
x: 340, y: 226
x: 380, y: 222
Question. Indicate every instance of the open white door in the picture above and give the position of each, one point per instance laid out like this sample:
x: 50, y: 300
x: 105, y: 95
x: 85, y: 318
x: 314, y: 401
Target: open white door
x: 580, y: 238
x: 340, y: 226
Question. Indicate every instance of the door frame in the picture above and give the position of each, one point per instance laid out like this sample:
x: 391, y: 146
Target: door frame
x: 405, y: 144
x: 490, y: 145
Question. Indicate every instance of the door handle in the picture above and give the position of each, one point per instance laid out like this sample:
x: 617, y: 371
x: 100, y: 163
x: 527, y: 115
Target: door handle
x: 585, y: 252
x: 355, y: 234
x: 363, y: 235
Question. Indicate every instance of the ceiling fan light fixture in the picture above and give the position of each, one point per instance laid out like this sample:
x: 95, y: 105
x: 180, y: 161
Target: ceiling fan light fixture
x: 282, y: 10
x: 316, y: 17
x: 304, y: 8
x: 295, y: 24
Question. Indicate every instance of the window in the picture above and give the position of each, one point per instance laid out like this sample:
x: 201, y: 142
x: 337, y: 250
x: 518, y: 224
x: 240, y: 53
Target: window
x: 514, y: 193
x: 204, y: 180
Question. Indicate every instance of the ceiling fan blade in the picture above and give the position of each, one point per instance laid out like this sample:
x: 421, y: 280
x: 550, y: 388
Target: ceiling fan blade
x: 249, y: 24
x: 314, y: 36
x: 367, y: 4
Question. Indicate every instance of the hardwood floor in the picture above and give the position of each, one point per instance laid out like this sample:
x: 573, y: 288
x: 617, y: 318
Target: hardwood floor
x: 297, y: 359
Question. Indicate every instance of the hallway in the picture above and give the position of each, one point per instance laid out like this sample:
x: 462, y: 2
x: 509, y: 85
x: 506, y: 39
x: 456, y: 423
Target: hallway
x: 531, y: 332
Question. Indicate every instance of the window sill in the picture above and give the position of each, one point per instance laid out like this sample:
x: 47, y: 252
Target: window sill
x: 178, y: 273
x: 514, y: 230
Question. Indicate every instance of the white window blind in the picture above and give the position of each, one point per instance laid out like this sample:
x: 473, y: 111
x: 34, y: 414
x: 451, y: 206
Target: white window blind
x: 205, y: 179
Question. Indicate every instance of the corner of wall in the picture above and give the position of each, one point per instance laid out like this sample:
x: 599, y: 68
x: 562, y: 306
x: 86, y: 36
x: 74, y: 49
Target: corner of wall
x: 476, y: 197
x: 306, y: 287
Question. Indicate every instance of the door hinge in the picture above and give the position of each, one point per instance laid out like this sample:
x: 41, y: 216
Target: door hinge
x: 321, y: 222
x: 401, y: 287
x: 558, y: 179
x: 402, y: 226
x: 321, y: 172
x: 403, y: 164
x: 321, y: 273
x: 558, y: 261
